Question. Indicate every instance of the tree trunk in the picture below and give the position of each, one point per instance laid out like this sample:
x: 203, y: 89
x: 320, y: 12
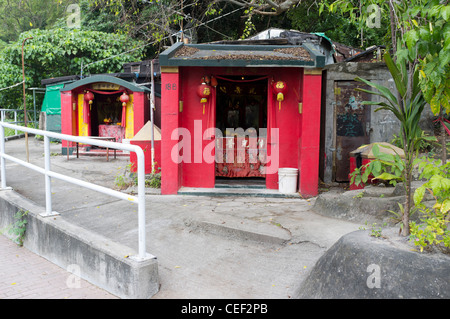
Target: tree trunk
x: 407, y: 208
x: 443, y: 138
x: 407, y: 185
x: 393, y: 29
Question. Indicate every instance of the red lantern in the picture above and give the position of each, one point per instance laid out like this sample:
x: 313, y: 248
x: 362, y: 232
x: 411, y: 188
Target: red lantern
x: 280, y: 88
x: 89, y: 98
x: 204, y: 91
x: 214, y: 81
x: 124, y: 98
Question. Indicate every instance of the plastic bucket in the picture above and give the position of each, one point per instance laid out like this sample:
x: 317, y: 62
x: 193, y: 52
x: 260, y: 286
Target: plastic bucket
x: 287, y: 180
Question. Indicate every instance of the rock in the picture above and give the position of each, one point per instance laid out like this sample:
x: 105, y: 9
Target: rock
x: 361, y: 266
x: 371, y: 205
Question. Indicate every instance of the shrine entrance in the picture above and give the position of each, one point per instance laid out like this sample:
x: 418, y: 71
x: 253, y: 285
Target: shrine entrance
x: 241, y: 116
x: 102, y: 106
x: 106, y: 117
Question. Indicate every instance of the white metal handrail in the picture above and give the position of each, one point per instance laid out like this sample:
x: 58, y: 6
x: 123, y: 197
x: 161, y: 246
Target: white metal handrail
x: 15, y: 111
x: 140, y: 199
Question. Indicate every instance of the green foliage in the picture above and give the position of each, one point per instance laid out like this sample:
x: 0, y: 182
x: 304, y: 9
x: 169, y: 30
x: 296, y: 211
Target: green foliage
x: 433, y: 230
x: 125, y: 178
x: 386, y: 167
x: 407, y: 107
x: 308, y: 16
x: 438, y: 183
x: 92, y: 18
x: 427, y: 37
x: 19, y: 227
x: 24, y: 15
x: 424, y: 143
x: 376, y: 231
x: 153, y: 180
x: 60, y: 52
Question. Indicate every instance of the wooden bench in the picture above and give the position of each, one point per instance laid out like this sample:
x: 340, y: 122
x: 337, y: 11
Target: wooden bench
x: 103, y: 138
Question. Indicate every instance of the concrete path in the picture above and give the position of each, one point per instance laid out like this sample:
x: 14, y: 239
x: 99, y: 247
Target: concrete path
x: 207, y: 246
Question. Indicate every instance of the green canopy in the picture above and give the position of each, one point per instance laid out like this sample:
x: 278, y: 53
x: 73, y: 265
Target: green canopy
x: 52, y: 99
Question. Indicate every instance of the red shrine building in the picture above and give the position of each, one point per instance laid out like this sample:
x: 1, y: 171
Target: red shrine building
x: 240, y: 111
x: 103, y: 106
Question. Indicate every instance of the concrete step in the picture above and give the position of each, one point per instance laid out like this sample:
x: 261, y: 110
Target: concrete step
x: 244, y: 191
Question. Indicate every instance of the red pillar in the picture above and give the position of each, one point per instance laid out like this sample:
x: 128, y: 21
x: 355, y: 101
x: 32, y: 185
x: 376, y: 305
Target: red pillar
x: 170, y: 169
x: 310, y: 139
x: 140, y: 116
x: 66, y: 116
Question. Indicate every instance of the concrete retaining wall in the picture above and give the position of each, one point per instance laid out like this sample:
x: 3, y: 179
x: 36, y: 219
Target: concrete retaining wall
x: 102, y: 262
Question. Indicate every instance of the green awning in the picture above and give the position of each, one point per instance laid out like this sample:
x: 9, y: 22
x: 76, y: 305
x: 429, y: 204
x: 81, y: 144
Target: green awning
x: 52, y: 99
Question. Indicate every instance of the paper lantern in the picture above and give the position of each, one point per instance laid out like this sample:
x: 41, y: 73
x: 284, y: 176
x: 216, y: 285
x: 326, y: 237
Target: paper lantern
x: 214, y: 81
x: 280, y: 89
x: 204, y: 91
x: 89, y: 98
x: 124, y: 98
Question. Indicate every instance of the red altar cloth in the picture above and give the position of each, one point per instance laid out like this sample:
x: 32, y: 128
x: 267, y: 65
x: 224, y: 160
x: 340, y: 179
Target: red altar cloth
x: 240, y: 157
x: 116, y: 131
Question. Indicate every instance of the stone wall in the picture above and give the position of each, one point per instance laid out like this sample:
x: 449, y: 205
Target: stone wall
x: 383, y: 124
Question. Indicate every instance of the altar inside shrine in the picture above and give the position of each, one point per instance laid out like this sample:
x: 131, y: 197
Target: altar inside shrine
x: 110, y: 130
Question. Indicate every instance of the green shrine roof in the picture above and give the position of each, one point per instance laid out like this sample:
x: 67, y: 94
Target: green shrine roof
x: 240, y: 55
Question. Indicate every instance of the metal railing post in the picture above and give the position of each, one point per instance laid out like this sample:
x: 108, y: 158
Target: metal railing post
x: 141, y: 202
x: 15, y: 121
x: 2, y: 159
x: 48, y: 179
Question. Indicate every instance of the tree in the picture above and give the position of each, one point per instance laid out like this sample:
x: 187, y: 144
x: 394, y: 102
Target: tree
x: 428, y: 37
x: 420, y: 42
x: 420, y: 34
x: 61, y: 52
x: 407, y: 107
x: 17, y: 16
x: 266, y: 7
x: 308, y: 16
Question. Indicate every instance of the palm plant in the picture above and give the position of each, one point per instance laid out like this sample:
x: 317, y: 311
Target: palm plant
x: 407, y: 106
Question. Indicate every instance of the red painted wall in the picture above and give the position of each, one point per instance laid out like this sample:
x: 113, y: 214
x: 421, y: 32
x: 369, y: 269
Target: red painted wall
x: 293, y: 152
x: 66, y: 115
x: 147, y: 148
x: 310, y: 135
x: 170, y: 169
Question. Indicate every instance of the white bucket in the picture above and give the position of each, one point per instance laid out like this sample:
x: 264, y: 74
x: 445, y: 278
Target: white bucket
x: 287, y: 180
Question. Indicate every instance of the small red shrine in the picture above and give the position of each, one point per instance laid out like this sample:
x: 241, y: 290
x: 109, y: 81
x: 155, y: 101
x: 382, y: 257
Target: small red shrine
x: 104, y: 106
x: 240, y: 111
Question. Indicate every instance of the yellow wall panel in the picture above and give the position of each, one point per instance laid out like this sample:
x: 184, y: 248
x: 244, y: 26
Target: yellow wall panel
x: 83, y: 129
x: 129, y: 132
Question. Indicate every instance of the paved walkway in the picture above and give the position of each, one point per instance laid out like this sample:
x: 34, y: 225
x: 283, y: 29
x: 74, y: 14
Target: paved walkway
x: 25, y: 275
x: 207, y: 246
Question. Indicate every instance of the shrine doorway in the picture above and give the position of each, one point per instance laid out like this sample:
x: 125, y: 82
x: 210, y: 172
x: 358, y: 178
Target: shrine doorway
x: 241, y: 116
x: 106, y: 117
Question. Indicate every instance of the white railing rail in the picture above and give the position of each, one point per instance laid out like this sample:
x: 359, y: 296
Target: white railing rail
x: 49, y: 174
x: 3, y: 117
